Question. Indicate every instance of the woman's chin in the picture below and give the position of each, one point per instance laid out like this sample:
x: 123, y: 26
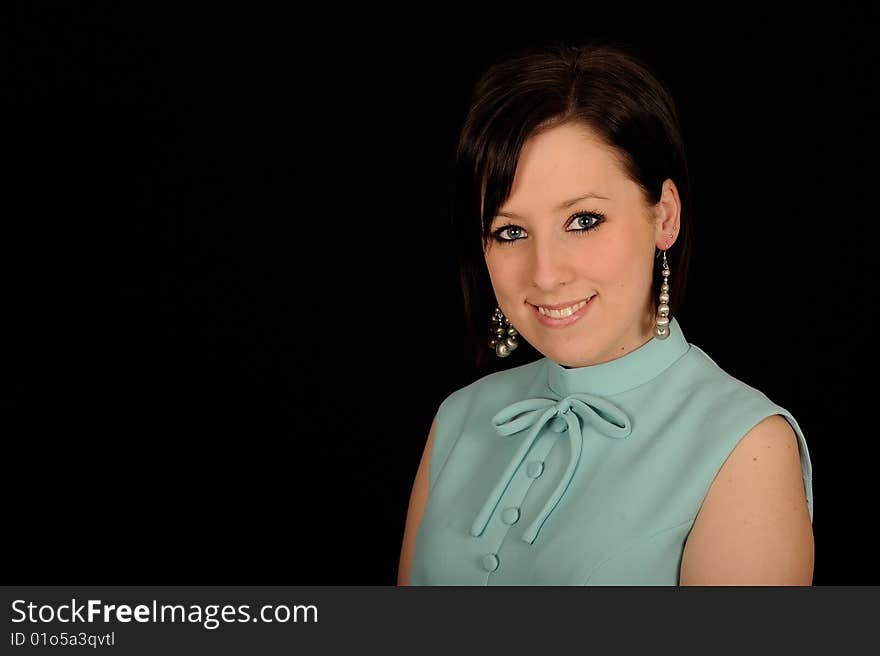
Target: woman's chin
x: 567, y: 357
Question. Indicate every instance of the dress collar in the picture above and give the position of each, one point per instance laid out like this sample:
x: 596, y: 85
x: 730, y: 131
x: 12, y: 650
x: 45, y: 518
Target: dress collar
x: 623, y: 373
x: 580, y: 403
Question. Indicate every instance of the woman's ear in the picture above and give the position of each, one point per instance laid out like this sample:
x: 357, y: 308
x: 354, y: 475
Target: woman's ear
x: 667, y: 216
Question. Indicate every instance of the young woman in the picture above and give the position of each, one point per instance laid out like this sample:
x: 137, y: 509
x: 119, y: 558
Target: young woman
x: 624, y: 455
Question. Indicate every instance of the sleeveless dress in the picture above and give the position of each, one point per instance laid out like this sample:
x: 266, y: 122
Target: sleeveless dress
x: 543, y: 475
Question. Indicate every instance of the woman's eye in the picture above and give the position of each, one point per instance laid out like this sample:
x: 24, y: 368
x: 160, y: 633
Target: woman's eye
x: 586, y: 221
x: 508, y: 233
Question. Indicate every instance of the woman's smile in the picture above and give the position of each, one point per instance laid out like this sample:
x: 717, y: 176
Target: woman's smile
x: 564, y: 317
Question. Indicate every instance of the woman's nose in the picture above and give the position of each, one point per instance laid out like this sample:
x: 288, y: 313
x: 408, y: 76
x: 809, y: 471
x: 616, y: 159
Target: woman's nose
x: 550, y: 266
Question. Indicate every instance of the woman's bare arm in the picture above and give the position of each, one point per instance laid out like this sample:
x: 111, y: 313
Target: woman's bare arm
x: 417, y: 500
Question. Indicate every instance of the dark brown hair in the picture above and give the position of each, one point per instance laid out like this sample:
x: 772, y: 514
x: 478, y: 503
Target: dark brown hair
x: 600, y: 84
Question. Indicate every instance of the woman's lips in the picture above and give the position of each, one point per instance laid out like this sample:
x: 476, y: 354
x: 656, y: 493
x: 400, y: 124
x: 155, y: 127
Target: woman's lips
x: 552, y: 322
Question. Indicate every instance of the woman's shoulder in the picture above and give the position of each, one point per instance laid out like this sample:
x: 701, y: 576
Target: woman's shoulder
x: 701, y: 375
x: 721, y: 400
x: 474, y: 404
x: 726, y: 408
x: 515, y: 382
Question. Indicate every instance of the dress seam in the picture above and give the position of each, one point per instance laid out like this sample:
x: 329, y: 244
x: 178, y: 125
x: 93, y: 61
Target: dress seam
x: 631, y: 545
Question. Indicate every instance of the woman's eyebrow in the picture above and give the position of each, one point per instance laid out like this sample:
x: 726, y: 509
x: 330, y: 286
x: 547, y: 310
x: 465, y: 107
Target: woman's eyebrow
x: 561, y: 206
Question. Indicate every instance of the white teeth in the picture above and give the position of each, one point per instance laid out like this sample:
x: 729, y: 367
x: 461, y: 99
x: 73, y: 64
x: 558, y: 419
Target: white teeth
x: 565, y: 312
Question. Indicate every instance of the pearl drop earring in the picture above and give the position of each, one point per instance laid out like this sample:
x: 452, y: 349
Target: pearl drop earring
x: 502, y: 336
x: 662, y: 328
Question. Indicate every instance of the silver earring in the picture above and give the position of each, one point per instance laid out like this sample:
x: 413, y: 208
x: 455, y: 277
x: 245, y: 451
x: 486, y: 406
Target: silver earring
x: 502, y: 336
x: 662, y: 329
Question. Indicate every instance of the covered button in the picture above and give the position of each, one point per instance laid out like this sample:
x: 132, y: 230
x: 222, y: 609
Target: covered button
x: 490, y: 562
x: 534, y: 469
x: 510, y: 515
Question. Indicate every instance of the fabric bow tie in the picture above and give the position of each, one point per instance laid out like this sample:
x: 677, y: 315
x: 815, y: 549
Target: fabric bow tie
x: 568, y: 414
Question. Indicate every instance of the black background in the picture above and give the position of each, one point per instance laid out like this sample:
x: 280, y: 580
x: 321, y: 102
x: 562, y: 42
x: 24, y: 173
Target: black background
x: 230, y: 303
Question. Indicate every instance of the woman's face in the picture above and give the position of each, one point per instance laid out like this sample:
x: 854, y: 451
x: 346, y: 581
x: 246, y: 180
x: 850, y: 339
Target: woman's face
x: 551, y: 258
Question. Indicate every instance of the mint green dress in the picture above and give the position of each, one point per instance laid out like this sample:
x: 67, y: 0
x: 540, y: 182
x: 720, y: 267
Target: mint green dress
x: 543, y: 475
